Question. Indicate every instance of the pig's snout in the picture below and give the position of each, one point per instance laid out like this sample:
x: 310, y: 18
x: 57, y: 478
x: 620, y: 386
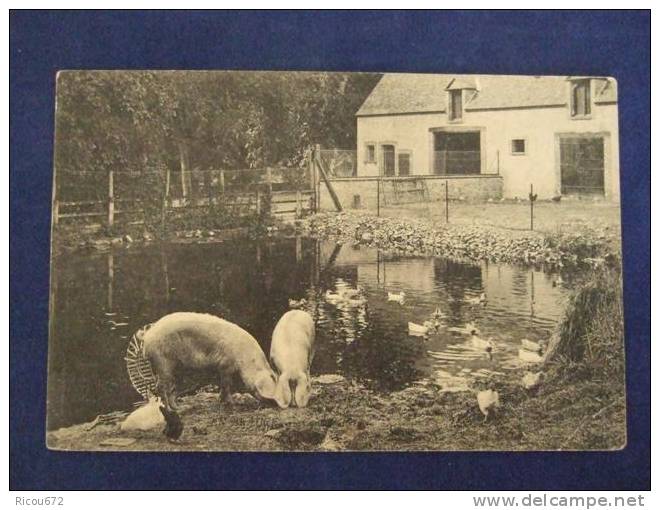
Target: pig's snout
x: 292, y: 390
x: 266, y: 384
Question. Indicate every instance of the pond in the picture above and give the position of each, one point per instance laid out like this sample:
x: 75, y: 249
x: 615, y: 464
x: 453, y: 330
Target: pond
x: 98, y: 300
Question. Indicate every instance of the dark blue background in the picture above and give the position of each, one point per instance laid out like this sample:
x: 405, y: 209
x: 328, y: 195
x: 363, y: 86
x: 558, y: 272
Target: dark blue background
x: 565, y: 43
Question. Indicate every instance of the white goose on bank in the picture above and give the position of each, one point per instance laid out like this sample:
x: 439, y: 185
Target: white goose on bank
x: 488, y: 401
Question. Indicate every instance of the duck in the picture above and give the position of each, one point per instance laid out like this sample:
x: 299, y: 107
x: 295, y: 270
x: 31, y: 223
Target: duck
x: 418, y: 329
x: 529, y: 356
x: 532, y: 346
x: 297, y: 303
x: 396, y: 297
x: 488, y: 401
x: 145, y: 417
x: 468, y: 329
x: 479, y: 300
x: 532, y: 379
x: 486, y: 345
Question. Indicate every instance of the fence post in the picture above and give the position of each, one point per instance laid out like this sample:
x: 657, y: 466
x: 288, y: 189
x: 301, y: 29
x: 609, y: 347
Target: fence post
x: 312, y: 180
x: 111, y: 198
x: 317, y: 183
x: 298, y: 204
x: 447, y: 201
x: 166, y: 198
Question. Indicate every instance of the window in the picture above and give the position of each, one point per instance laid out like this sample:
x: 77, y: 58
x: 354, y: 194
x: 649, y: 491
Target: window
x: 518, y: 146
x: 371, y: 153
x: 581, y: 98
x: 455, y: 104
x: 404, y: 162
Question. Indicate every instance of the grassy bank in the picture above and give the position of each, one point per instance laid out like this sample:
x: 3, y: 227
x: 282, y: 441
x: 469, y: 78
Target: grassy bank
x: 580, y: 405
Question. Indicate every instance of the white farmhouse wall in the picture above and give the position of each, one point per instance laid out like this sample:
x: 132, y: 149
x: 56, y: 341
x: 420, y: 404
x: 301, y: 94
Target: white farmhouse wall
x: 538, y: 126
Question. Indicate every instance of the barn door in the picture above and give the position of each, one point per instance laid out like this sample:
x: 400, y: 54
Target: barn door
x: 582, y: 165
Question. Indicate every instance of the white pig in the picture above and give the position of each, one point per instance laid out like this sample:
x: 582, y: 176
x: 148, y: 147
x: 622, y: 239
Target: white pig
x: 201, y: 342
x: 291, y: 352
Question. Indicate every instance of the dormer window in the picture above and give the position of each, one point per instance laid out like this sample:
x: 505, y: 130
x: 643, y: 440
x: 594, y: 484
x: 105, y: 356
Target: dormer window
x: 581, y: 98
x: 455, y: 104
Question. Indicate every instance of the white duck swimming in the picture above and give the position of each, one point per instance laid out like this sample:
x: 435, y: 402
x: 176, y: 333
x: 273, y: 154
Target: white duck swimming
x: 418, y: 329
x: 485, y: 345
x: 529, y: 356
x: 399, y: 297
x: 480, y: 300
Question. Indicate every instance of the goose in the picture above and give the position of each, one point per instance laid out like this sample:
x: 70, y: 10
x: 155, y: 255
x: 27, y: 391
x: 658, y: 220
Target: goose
x: 531, y: 380
x: 488, y: 401
x: 417, y: 329
x: 145, y: 417
x: 396, y: 297
x: 529, y: 356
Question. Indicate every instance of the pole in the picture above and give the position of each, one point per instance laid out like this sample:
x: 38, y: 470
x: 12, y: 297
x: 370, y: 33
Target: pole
x: 447, y: 201
x: 111, y: 198
x: 532, y: 199
x: 378, y: 196
x: 298, y: 204
x: 317, y: 180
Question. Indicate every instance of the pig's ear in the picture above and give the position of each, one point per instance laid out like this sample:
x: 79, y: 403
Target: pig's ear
x: 303, y: 391
x: 265, y: 386
x: 283, y: 392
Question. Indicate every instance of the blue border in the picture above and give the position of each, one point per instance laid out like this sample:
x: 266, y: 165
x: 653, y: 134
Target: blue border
x: 547, y: 42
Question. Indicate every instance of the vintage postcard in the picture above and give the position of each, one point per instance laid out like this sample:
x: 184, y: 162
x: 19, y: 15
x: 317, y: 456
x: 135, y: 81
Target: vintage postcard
x: 310, y: 261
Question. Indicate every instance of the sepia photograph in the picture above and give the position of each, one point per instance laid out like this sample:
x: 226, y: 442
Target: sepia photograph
x: 334, y: 261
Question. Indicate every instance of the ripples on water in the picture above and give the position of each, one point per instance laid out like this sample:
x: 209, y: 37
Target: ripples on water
x: 99, y: 300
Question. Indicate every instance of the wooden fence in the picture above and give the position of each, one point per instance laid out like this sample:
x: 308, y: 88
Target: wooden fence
x: 289, y: 193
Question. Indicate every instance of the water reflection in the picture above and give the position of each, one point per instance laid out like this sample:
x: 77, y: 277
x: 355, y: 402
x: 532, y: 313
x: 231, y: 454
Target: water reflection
x: 99, y: 300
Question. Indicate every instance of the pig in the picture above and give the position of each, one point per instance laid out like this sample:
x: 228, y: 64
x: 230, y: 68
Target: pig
x: 201, y: 342
x: 291, y: 352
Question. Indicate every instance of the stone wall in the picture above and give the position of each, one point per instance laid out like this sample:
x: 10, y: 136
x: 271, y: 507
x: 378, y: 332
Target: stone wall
x: 361, y: 192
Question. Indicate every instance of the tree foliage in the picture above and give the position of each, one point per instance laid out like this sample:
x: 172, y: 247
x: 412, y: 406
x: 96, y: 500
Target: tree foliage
x: 137, y: 120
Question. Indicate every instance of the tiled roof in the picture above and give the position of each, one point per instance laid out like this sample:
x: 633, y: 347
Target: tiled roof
x: 407, y: 93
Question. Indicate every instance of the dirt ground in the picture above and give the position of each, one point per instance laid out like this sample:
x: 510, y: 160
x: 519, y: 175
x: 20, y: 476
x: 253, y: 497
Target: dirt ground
x: 549, y: 216
x: 344, y: 416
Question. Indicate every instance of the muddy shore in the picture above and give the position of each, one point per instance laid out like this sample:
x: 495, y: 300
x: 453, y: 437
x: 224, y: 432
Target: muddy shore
x: 344, y: 416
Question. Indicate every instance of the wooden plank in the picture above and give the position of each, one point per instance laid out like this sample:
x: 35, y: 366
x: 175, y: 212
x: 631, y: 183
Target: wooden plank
x: 331, y: 190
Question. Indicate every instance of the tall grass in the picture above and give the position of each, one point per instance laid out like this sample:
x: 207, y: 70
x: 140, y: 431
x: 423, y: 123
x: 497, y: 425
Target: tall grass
x: 591, y: 332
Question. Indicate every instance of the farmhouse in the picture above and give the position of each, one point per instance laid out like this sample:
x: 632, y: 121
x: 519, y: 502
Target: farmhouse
x: 490, y: 136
